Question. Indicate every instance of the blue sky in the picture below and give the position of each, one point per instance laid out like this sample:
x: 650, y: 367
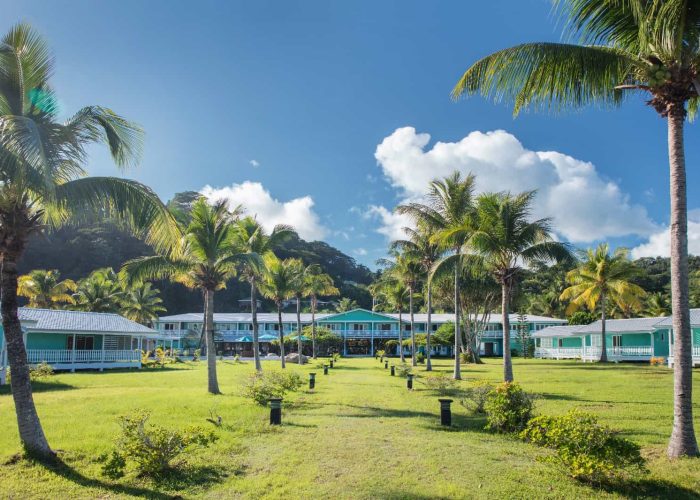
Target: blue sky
x: 308, y: 90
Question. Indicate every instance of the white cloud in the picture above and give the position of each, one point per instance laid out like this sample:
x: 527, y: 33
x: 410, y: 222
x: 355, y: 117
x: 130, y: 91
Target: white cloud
x: 256, y: 200
x: 659, y: 244
x: 360, y: 252
x: 392, y: 224
x: 254, y: 163
x: 583, y: 205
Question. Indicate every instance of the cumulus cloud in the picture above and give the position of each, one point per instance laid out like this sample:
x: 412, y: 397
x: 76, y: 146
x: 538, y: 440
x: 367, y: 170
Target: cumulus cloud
x: 392, y: 224
x: 659, y: 244
x: 360, y: 252
x: 257, y: 201
x: 254, y: 163
x: 584, y: 206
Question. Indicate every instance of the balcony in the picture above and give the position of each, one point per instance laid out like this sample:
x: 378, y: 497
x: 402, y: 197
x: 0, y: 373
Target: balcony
x: 80, y: 359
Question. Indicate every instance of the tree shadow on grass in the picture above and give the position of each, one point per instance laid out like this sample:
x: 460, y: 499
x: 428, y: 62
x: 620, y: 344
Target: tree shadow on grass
x: 41, y: 386
x: 377, y: 412
x: 650, y: 488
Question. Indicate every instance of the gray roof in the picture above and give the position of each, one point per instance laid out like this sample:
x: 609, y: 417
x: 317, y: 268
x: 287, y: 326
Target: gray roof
x: 241, y: 317
x: 559, y: 331
x: 495, y: 318
x: 694, y: 319
x: 624, y: 325
x: 56, y: 320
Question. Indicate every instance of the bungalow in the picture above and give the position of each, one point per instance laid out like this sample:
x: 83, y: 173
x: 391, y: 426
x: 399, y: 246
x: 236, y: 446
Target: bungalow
x: 362, y: 331
x: 73, y: 340
x: 695, y: 328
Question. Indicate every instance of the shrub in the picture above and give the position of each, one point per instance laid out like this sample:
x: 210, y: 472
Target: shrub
x: 196, y: 354
x: 440, y: 383
x: 657, y: 361
x: 588, y: 450
x: 403, y: 369
x: 475, y: 397
x: 42, y: 370
x: 260, y: 387
x: 151, y: 448
x: 508, y: 408
x: 420, y: 357
x: 381, y: 353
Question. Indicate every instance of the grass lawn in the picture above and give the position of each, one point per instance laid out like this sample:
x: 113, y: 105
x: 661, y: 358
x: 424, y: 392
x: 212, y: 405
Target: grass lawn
x: 360, y: 434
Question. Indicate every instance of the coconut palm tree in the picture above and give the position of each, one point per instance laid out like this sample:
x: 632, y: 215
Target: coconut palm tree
x: 394, y: 294
x: 657, y: 304
x: 345, y: 304
x: 506, y: 238
x: 299, y: 272
x: 206, y: 259
x: 449, y: 212
x: 101, y: 292
x: 280, y: 280
x: 43, y: 185
x: 251, y: 238
x: 646, y: 47
x: 142, y: 304
x: 602, y: 277
x: 420, y: 244
x: 409, y: 270
x: 45, y: 289
x: 317, y: 284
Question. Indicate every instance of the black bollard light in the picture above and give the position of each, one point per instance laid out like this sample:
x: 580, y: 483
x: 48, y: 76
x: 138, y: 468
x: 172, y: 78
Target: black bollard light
x: 409, y: 381
x: 445, y: 412
x: 381, y: 359
x: 312, y: 380
x: 386, y: 365
x: 325, y: 369
x: 393, y: 370
x: 275, y: 411
x: 331, y: 363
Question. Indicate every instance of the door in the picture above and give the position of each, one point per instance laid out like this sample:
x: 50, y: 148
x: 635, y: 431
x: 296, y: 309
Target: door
x: 488, y: 349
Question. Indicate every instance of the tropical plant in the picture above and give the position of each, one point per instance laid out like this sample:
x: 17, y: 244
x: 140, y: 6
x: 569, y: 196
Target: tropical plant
x: 101, y: 291
x: 206, y: 259
x: 299, y: 274
x: 252, y: 239
x: 142, y: 304
x: 43, y: 185
x: 317, y: 284
x: 627, y: 46
x: 507, y: 238
x: 602, y: 276
x: 345, y: 304
x: 279, y: 284
x: 45, y: 289
x: 657, y: 304
x: 449, y: 212
x: 408, y: 269
x: 394, y: 294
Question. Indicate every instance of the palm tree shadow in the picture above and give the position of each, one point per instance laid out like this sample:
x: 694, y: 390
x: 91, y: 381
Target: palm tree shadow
x: 41, y: 386
x: 650, y: 488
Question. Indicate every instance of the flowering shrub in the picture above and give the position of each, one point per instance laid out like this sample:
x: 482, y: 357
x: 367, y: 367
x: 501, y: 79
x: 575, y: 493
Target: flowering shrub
x: 657, y: 361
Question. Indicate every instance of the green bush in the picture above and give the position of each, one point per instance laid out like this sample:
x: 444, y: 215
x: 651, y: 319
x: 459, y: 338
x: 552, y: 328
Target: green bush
x: 508, y: 408
x: 588, y: 450
x: 260, y: 387
x: 440, y: 383
x: 42, y: 370
x: 475, y: 397
x: 403, y: 369
x: 420, y: 357
x: 151, y: 448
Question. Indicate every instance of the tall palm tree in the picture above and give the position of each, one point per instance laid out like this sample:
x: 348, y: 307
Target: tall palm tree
x: 346, y: 304
x: 142, y: 304
x: 206, y: 259
x: 43, y: 185
x: 317, y: 284
x: 408, y: 269
x: 449, y: 211
x: 299, y: 272
x: 101, y: 291
x: 45, y: 289
x: 395, y: 297
x: 602, y: 277
x: 649, y: 47
x: 279, y: 283
x: 506, y: 239
x: 252, y: 239
x: 420, y: 244
x: 657, y: 304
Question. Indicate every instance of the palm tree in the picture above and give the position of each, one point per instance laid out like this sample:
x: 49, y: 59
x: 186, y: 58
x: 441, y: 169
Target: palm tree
x: 100, y: 292
x: 346, y: 304
x: 206, y: 259
x: 657, y: 304
x: 251, y: 238
x: 395, y: 296
x: 45, y: 290
x: 449, y: 212
x: 279, y: 283
x: 628, y: 46
x: 506, y: 238
x: 602, y: 277
x: 43, y: 184
x: 299, y: 273
x: 409, y: 269
x: 142, y: 304
x: 317, y: 284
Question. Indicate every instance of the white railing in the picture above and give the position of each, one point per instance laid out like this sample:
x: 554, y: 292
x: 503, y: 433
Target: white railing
x: 68, y: 356
x: 558, y: 352
x: 619, y: 352
x: 174, y: 334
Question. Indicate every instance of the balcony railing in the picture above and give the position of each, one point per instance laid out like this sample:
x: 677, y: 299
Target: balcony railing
x: 68, y: 356
x: 558, y: 352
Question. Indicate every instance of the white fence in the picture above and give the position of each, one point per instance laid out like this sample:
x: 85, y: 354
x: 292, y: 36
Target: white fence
x: 64, y: 359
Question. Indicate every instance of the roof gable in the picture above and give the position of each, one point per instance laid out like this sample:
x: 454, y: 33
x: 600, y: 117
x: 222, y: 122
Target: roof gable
x: 357, y: 315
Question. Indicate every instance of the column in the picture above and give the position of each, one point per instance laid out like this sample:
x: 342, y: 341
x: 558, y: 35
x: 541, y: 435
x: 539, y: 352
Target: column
x: 72, y: 355
x: 652, y: 343
x: 139, y: 343
x: 102, y: 357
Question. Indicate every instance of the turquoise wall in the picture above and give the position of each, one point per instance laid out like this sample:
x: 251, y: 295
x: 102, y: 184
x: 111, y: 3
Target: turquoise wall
x: 661, y: 343
x: 44, y: 340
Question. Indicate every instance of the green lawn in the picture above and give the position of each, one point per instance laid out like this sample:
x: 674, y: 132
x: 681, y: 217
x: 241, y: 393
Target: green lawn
x: 361, y: 434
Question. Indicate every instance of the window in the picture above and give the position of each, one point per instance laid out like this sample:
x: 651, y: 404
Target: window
x: 435, y: 327
x: 662, y: 336
x: 407, y: 327
x: 82, y: 342
x: 358, y: 327
x: 168, y: 326
x: 385, y: 327
x: 617, y: 340
x: 560, y: 342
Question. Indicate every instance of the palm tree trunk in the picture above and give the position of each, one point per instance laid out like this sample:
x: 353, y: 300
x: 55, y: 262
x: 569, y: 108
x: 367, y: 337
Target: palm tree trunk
x: 299, y: 344
x: 413, y: 331
x: 313, y: 327
x: 428, y: 364
x: 254, y: 314
x: 400, y: 337
x: 30, y: 431
x: 281, y: 333
x: 211, y: 348
x: 603, y: 339
x: 457, y: 375
x: 683, y: 441
x: 505, y: 303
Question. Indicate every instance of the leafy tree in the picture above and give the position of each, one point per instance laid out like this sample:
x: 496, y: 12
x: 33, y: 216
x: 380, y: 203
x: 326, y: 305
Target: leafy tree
x: 252, y: 239
x: 602, y: 276
x: 45, y: 289
x: 506, y: 238
x: 648, y: 47
x: 142, y: 304
x: 43, y: 185
x: 394, y: 296
x: 582, y: 318
x: 101, y: 292
x: 317, y: 284
x: 206, y: 258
